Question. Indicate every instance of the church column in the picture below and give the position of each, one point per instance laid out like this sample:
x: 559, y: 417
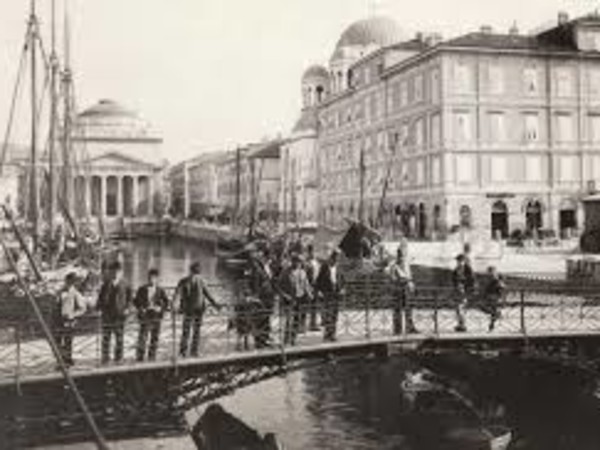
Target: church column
x: 150, y: 196
x: 87, y: 199
x: 103, y: 194
x: 134, y: 194
x: 119, y: 196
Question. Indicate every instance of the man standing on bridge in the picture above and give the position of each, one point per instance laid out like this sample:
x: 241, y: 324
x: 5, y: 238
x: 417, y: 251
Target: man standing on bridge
x: 192, y: 295
x: 71, y: 305
x: 114, y: 301
x: 329, y: 286
x: 151, y: 302
x: 404, y: 288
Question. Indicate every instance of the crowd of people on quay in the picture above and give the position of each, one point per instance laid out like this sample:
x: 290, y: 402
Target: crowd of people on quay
x: 306, y: 292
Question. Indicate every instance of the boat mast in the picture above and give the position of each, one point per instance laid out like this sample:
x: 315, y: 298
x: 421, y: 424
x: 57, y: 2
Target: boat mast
x: 34, y: 199
x: 362, y: 170
x: 238, y: 157
x: 67, y: 82
x: 53, y: 120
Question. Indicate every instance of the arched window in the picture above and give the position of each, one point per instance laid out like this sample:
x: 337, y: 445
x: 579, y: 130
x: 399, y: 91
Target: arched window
x: 437, y: 218
x: 465, y: 217
x: 499, y: 220
x: 320, y: 91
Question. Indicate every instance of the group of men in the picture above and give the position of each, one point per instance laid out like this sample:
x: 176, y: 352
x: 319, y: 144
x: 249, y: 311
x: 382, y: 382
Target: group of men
x: 304, y: 286
x: 115, y: 302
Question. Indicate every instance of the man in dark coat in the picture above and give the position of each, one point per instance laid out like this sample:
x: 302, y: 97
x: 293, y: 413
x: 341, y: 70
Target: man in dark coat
x: 192, y: 296
x: 151, y: 302
x: 464, y: 284
x: 329, y: 285
x: 114, y: 300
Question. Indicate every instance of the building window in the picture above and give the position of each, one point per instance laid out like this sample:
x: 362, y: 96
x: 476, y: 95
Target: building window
x: 568, y: 169
x: 532, y: 127
x: 465, y: 169
x: 495, y: 79
x: 404, y: 93
x: 594, y: 123
x: 564, y: 128
x: 435, y: 86
x: 436, y: 171
x: 420, y: 172
x: 463, y: 79
x: 564, y: 82
x: 497, y: 132
x: 534, y: 169
x: 418, y: 88
x: 530, y: 76
x: 462, y: 126
x: 420, y: 133
x: 436, y: 132
x: 499, y: 169
x: 594, y: 82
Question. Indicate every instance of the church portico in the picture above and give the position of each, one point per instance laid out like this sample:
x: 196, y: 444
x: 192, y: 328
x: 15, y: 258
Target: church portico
x: 124, y: 169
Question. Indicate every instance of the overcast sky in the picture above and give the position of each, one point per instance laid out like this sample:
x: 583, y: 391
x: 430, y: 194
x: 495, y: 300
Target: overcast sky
x: 212, y: 73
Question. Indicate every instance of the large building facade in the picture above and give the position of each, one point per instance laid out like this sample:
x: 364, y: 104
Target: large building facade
x: 490, y: 132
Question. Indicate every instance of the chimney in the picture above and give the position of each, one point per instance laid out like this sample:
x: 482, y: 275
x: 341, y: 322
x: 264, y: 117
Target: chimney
x: 486, y: 29
x: 514, y: 30
x: 419, y: 36
x: 563, y: 17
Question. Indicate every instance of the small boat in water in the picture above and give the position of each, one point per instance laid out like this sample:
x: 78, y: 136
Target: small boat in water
x: 441, y: 416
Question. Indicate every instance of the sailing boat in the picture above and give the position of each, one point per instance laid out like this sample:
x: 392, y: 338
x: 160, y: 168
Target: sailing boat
x: 49, y: 235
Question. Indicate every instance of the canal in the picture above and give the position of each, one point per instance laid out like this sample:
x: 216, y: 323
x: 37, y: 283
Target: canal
x: 360, y: 405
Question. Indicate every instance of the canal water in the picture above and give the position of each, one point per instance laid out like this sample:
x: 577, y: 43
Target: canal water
x: 359, y: 405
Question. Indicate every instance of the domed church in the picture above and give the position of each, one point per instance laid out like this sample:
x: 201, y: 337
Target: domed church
x: 121, y: 168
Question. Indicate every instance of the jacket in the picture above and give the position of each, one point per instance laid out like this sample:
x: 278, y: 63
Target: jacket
x: 151, y: 306
x: 192, y: 295
x: 114, y: 300
x: 325, y: 283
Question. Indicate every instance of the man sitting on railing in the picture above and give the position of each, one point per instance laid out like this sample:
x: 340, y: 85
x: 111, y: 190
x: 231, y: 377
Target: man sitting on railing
x: 114, y: 301
x: 151, y: 302
x: 192, y: 296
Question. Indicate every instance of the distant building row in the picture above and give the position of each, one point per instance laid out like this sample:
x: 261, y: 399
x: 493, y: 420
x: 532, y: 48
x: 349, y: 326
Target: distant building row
x: 491, y: 132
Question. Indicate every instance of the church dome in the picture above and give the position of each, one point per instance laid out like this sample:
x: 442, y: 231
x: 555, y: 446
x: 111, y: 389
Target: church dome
x: 108, y: 119
x: 315, y: 73
x: 375, y: 31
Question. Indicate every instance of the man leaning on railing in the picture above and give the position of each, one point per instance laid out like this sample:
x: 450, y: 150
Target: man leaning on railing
x: 192, y: 297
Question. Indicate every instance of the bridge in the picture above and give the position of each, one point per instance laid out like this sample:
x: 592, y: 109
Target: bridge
x: 121, y: 394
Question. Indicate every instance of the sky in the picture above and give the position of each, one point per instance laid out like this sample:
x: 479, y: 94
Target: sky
x: 210, y: 74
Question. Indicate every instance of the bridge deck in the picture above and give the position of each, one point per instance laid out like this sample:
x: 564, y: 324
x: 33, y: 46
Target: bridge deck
x: 359, y: 326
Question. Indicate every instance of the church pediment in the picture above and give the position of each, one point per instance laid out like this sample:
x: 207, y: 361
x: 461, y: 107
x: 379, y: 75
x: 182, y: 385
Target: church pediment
x: 119, y: 160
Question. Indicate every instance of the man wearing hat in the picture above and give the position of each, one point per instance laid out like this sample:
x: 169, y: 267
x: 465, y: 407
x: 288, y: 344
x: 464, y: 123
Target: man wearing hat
x: 404, y: 287
x: 329, y: 285
x: 297, y: 293
x: 464, y: 284
x: 70, y: 305
x: 151, y: 302
x: 114, y: 301
x: 192, y: 296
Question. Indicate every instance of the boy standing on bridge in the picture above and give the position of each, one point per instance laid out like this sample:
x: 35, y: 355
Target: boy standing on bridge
x: 464, y: 284
x: 298, y: 292
x: 192, y: 296
x: 151, y: 302
x: 114, y: 301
